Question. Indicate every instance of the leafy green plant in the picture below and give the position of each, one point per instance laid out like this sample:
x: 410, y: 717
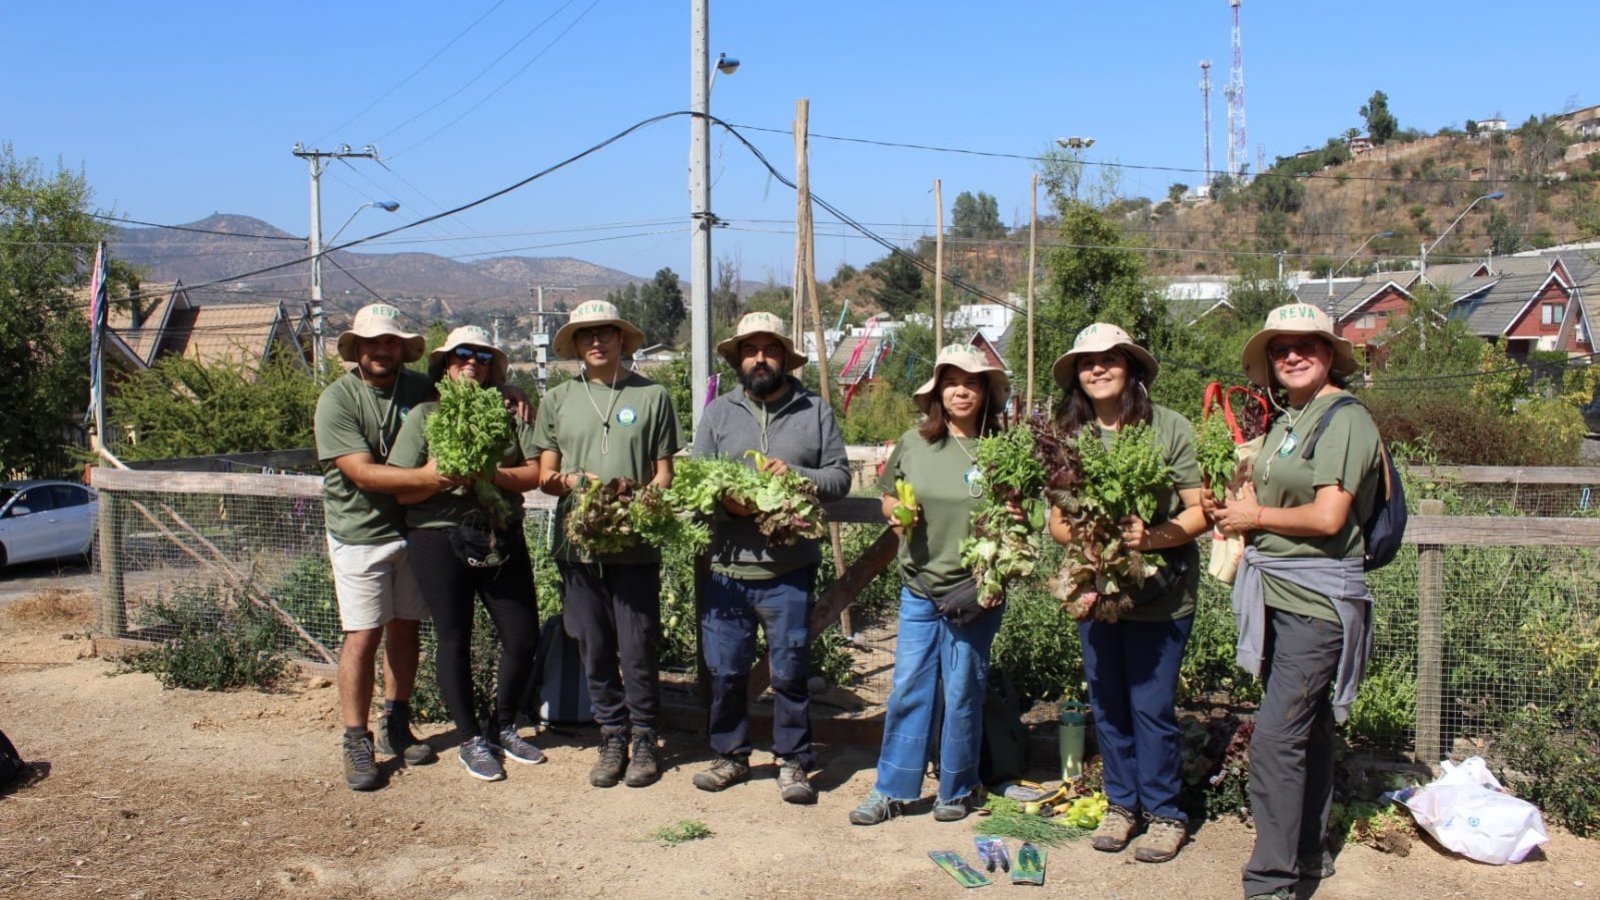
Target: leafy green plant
x: 1001, y: 549
x: 785, y: 506
x: 1216, y: 453
x: 219, y: 642
x: 681, y: 832
x: 468, y: 434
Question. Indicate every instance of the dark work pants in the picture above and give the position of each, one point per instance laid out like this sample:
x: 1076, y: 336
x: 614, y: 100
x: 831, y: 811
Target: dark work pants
x: 614, y: 613
x: 449, y: 586
x: 1291, y: 752
x: 1132, y: 669
x: 782, y: 606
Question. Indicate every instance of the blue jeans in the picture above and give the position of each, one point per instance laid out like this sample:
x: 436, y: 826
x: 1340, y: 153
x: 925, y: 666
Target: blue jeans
x: 782, y: 606
x: 1132, y: 669
x: 932, y: 652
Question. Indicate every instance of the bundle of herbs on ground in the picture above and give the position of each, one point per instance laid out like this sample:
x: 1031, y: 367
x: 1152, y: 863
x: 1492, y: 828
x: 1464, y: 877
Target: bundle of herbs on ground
x: 1001, y: 547
x: 468, y: 436
x: 785, y: 506
x: 1097, y: 486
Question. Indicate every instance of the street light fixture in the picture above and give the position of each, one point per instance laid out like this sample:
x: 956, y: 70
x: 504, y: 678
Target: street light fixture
x: 316, y: 265
x: 1422, y: 267
x: 1075, y: 142
x: 1334, y: 273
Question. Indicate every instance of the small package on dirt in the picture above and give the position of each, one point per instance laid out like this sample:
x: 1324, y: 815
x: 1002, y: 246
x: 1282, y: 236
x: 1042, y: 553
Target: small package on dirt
x: 992, y: 853
x: 1030, y: 865
x: 951, y: 862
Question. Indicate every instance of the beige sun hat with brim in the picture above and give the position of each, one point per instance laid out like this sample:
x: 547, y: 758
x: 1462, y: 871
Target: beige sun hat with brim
x: 1098, y: 338
x: 967, y: 359
x: 377, y: 320
x: 761, y: 323
x: 469, y: 336
x: 1295, y: 318
x: 595, y: 314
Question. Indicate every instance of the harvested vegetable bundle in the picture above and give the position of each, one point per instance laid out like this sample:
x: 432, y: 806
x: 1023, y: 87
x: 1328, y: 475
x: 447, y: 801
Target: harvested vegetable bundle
x: 1095, y: 487
x: 1000, y: 548
x: 468, y: 435
x: 609, y: 517
x: 785, y: 506
x: 1216, y: 453
x: 908, y: 510
x: 1226, y: 443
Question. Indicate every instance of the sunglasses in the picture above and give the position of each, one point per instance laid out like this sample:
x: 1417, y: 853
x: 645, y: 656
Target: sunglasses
x: 1303, y: 348
x: 484, y: 357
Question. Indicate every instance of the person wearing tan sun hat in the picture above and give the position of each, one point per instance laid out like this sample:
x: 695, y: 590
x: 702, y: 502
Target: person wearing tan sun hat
x: 610, y: 422
x: 752, y: 582
x: 962, y: 402
x: 1301, y: 598
x: 1133, y: 643
x: 462, y: 550
x: 357, y: 420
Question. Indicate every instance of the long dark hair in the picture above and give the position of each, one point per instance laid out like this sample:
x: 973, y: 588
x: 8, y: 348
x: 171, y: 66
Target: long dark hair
x: 1076, y: 409
x: 936, y: 426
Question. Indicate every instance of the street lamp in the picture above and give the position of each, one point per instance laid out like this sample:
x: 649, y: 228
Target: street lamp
x: 1335, y: 272
x: 1422, y: 268
x: 316, y: 263
x: 1075, y: 142
x: 701, y: 219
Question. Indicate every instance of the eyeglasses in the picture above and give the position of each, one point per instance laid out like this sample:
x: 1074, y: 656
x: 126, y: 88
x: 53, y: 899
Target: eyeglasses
x: 484, y: 357
x: 590, y: 335
x: 1303, y: 348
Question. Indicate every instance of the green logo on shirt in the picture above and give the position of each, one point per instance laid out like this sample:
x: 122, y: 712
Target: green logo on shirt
x: 627, y: 416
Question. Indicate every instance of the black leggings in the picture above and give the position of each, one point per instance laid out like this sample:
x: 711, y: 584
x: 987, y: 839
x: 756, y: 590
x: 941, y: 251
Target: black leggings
x: 448, y: 586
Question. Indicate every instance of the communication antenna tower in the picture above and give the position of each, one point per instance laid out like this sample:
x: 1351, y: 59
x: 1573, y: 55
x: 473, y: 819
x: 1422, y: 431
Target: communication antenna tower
x: 1205, y: 99
x: 1238, y: 144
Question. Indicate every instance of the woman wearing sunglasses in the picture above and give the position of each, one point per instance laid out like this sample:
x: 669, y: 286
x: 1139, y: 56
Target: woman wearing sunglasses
x: 1301, y: 594
x: 457, y: 554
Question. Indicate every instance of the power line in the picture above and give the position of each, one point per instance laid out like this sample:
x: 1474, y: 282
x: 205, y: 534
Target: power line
x: 232, y: 234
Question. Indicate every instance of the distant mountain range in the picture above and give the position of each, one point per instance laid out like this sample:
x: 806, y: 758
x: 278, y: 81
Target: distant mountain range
x: 197, y: 257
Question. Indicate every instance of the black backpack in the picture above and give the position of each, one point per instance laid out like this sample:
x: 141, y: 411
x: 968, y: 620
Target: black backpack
x: 11, y: 764
x: 1383, y: 530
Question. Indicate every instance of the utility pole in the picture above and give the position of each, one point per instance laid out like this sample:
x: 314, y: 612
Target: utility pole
x: 316, y: 160
x: 938, y: 267
x: 1033, y: 255
x: 700, y: 217
x: 540, y: 336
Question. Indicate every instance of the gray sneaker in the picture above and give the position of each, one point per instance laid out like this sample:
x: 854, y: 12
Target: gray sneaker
x: 875, y: 809
x: 957, y: 809
x: 793, y: 785
x: 477, y: 757
x: 607, y: 770
x: 724, y: 773
x: 644, y: 768
x: 395, y: 739
x: 360, y: 769
x: 518, y: 748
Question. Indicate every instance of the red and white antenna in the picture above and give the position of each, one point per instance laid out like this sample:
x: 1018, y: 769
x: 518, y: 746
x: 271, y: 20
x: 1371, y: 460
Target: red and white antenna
x: 1238, y: 144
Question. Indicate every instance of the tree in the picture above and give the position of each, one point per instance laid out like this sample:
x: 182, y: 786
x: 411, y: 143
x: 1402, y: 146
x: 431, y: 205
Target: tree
x: 1176, y: 191
x: 1381, y: 124
x: 183, y: 407
x: 976, y: 217
x: 47, y: 236
x: 657, y: 308
x: 725, y: 292
x: 900, y: 288
x: 1504, y: 236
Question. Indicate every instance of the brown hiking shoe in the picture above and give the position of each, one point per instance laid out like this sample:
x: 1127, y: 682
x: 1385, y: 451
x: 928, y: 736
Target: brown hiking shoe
x: 793, y: 785
x: 644, y: 768
x: 395, y: 738
x: 1115, y: 830
x: 613, y: 757
x: 725, y: 772
x: 1161, y: 841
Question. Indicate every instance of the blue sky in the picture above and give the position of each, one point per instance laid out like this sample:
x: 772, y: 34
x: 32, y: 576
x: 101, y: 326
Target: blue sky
x: 178, y: 110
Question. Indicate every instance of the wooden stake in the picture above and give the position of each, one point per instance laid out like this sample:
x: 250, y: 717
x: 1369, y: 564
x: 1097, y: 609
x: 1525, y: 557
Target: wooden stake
x: 1033, y: 252
x: 938, y: 267
x: 802, y: 211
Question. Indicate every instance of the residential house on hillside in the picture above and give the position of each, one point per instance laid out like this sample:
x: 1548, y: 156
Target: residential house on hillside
x: 1361, y: 308
x: 246, y: 334
x: 1526, y: 312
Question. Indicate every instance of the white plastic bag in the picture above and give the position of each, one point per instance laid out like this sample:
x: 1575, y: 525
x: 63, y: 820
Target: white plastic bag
x: 1466, y: 810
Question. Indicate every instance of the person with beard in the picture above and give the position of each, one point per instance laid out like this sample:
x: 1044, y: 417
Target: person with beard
x: 752, y: 582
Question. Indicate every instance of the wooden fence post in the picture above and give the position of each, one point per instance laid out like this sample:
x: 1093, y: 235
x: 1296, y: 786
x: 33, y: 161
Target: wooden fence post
x: 1430, y: 643
x: 113, y: 608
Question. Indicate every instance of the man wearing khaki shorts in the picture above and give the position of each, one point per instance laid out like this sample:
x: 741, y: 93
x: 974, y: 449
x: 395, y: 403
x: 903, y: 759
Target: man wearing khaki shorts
x: 358, y: 416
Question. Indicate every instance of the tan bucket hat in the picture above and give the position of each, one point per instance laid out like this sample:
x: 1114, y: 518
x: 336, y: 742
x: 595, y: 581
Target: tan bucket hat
x: 1295, y: 318
x: 967, y: 359
x: 469, y: 336
x: 376, y: 320
x: 1098, y: 338
x: 591, y: 314
x: 761, y: 323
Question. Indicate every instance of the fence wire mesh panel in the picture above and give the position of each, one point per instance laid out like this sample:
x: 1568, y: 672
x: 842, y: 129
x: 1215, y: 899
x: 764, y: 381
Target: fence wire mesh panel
x: 1506, y: 492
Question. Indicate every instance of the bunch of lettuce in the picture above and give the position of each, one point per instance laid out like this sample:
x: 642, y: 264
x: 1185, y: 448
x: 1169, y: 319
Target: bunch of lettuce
x: 1095, y: 487
x: 785, y: 506
x: 1216, y: 453
x: 1000, y: 548
x: 609, y: 517
x: 468, y: 436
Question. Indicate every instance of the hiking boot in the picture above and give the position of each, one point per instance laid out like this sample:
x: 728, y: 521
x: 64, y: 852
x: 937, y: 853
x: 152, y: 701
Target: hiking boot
x: 875, y: 809
x: 1161, y: 841
x: 395, y: 739
x: 1115, y: 830
x: 477, y: 757
x: 644, y: 766
x: 1315, y: 866
x: 1279, y: 894
x: 957, y: 809
x: 516, y: 747
x: 793, y: 785
x: 613, y: 757
x: 725, y: 772
x: 360, y: 769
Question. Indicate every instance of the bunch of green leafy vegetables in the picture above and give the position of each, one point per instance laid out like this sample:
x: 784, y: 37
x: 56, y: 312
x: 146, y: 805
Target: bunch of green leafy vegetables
x: 785, y: 507
x: 468, y: 436
x: 609, y: 517
x: 1000, y: 548
x: 1096, y: 486
x: 1216, y: 452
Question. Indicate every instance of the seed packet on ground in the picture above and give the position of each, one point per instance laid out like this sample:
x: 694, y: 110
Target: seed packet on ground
x: 1030, y: 865
x: 951, y: 862
x: 992, y: 853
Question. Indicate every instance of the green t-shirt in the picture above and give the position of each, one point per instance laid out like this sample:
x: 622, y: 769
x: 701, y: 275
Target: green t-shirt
x: 1347, y: 455
x: 1175, y: 437
x: 945, y: 477
x: 354, y: 417
x: 452, y: 507
x: 610, y: 432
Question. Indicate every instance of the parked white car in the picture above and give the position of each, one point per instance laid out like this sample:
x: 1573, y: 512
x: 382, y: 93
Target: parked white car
x: 46, y: 520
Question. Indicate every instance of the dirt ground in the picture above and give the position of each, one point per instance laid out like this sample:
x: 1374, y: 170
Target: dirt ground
x: 142, y: 792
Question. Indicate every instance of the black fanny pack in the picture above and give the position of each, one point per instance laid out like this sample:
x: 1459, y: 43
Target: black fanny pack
x: 1167, y: 579
x: 479, y: 545
x: 959, y: 605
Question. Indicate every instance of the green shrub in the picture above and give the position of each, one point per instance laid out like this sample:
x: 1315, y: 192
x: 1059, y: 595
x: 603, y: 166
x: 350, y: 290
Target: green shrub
x: 1038, y: 642
x: 1552, y: 760
x: 219, y: 642
x: 305, y: 592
